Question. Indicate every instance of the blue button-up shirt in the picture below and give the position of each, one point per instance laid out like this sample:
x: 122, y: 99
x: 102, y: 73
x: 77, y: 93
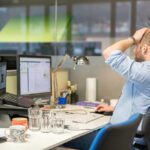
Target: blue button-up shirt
x: 135, y: 97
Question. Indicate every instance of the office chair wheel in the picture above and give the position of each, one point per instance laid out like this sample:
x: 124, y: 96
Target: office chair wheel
x: 140, y: 146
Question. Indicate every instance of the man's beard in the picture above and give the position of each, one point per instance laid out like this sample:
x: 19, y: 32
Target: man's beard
x: 139, y: 59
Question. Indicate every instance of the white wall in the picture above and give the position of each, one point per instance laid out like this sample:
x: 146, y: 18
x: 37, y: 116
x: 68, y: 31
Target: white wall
x: 109, y: 83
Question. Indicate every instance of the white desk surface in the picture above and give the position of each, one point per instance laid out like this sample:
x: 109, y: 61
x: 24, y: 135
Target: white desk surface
x: 45, y: 141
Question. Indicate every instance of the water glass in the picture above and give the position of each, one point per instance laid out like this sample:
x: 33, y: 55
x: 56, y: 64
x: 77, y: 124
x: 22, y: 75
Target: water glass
x: 57, y: 121
x: 45, y: 120
x: 34, y: 118
x: 57, y: 125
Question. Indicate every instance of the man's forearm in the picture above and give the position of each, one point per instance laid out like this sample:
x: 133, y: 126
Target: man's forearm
x: 122, y: 45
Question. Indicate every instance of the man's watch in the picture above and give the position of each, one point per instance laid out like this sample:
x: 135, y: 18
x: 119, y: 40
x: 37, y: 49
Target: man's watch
x: 134, y: 40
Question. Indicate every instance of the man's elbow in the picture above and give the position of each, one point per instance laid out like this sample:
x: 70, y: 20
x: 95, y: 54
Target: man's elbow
x: 105, y: 54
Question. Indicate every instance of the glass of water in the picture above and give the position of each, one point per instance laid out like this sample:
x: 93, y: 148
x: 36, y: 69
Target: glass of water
x: 45, y: 120
x: 57, y: 121
x: 34, y: 114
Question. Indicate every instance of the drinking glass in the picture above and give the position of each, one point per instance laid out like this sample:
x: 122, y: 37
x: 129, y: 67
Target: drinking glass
x: 45, y: 120
x: 57, y: 121
x: 34, y: 114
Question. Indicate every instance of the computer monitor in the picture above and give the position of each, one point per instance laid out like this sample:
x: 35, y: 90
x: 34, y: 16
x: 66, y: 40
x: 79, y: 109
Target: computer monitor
x: 3, y: 73
x: 34, y: 75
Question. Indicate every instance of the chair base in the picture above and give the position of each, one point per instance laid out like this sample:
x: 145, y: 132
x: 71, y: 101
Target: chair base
x: 140, y: 146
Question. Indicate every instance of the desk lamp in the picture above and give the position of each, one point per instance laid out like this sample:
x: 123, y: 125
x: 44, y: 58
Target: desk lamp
x: 77, y: 60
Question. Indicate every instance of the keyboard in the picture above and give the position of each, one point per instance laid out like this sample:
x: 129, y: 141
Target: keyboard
x: 86, y: 118
x: 15, y: 100
x: 10, y: 99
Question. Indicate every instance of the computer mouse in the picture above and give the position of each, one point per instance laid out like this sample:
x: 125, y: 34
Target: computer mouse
x: 99, y: 112
x: 108, y: 113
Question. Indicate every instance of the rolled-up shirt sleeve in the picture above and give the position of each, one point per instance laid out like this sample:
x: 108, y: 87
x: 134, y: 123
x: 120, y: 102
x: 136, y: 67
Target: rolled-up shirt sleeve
x: 126, y: 67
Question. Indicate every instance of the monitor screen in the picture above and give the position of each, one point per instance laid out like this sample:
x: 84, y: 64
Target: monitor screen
x: 3, y: 73
x: 10, y: 62
x: 34, y: 75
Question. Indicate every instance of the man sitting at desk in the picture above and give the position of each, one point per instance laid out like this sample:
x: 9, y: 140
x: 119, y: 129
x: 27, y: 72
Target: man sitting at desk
x: 135, y: 96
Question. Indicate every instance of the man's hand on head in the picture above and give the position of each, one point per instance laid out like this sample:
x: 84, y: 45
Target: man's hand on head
x: 139, y: 34
x: 123, y: 45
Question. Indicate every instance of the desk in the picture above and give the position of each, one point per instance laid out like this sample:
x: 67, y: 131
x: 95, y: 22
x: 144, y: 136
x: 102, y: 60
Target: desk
x: 46, y: 141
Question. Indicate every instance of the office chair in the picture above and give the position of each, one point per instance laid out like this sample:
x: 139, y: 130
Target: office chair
x: 117, y: 136
x: 144, y: 133
x: 5, y: 121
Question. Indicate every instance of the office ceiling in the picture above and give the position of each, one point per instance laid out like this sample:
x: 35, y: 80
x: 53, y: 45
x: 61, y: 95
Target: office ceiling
x: 30, y: 2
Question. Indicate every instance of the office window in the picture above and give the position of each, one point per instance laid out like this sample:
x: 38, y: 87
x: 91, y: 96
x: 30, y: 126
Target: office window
x: 90, y: 20
x: 12, y: 24
x: 37, y: 29
x: 62, y: 23
x: 37, y: 24
x: 42, y: 20
x: 58, y: 23
x: 52, y: 22
x: 4, y: 16
x: 12, y: 29
x: 30, y: 26
x: 123, y: 14
x: 143, y: 14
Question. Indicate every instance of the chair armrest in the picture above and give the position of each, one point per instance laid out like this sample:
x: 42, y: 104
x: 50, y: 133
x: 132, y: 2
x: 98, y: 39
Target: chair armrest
x: 140, y: 146
x: 139, y: 134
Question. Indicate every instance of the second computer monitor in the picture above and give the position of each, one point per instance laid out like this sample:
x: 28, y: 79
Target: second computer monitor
x: 2, y: 77
x: 34, y: 75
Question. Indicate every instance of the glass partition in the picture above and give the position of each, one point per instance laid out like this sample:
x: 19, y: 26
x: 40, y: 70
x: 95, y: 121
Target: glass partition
x: 37, y: 27
x: 123, y: 13
x: 143, y: 14
x: 90, y: 20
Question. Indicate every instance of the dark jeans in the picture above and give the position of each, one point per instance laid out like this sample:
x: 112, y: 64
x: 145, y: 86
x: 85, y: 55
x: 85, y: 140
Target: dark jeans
x: 83, y: 142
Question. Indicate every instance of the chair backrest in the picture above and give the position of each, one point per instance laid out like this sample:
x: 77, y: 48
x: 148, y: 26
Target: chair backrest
x: 117, y: 136
x: 5, y: 121
x: 146, y: 128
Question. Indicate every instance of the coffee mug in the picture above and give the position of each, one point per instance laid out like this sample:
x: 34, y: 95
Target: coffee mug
x: 16, y: 133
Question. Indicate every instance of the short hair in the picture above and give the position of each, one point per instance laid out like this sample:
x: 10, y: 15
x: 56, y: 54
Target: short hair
x: 146, y: 38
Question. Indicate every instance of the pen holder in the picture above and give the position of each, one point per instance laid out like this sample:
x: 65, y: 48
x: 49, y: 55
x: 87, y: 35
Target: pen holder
x: 62, y: 101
